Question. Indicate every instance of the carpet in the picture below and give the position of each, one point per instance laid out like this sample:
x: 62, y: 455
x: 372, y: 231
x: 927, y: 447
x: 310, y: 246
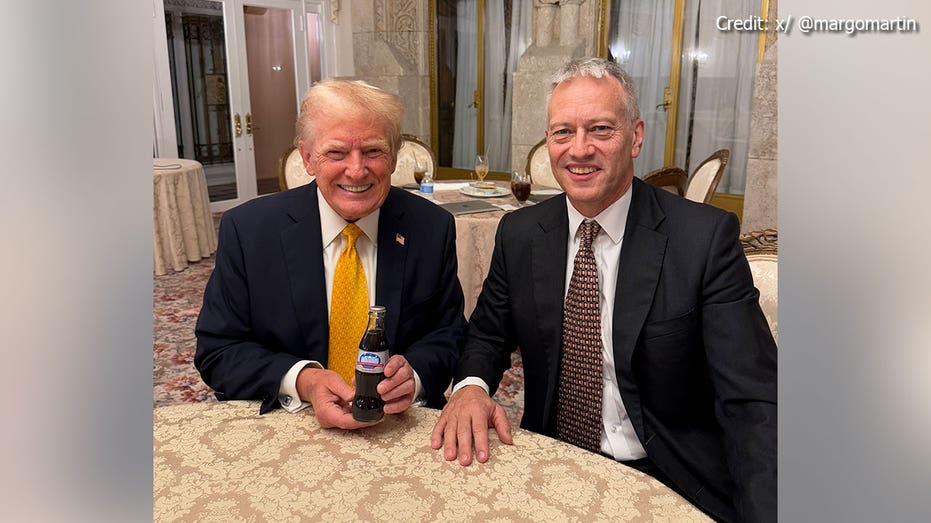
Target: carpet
x: 177, y: 301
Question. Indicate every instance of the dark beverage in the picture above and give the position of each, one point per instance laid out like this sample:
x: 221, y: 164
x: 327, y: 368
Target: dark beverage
x: 418, y: 176
x: 520, y: 190
x: 370, y: 368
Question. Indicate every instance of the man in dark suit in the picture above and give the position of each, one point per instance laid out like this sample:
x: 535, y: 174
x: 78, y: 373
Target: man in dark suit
x: 682, y: 373
x: 266, y: 327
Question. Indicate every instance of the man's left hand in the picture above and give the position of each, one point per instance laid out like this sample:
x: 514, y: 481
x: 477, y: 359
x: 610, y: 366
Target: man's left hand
x: 398, y: 387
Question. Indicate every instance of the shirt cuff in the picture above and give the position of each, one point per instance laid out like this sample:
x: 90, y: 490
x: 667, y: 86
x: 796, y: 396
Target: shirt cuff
x: 419, y: 393
x: 471, y: 380
x: 287, y: 392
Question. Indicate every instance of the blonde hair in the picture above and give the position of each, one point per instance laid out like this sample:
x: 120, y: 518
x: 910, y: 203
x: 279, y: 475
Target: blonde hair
x: 352, y: 100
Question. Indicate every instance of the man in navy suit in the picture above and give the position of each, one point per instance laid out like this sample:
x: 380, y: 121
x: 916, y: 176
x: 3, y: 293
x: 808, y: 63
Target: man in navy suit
x: 264, y: 328
x: 685, y: 368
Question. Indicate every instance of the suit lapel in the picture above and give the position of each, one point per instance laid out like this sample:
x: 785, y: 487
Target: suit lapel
x: 302, y: 246
x: 548, y: 249
x: 392, y: 257
x: 641, y: 261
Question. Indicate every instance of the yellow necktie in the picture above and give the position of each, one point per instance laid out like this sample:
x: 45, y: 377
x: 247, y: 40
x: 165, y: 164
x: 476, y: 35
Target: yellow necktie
x: 348, y: 307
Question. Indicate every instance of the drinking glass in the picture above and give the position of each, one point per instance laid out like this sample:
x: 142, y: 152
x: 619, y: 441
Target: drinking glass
x: 520, y: 187
x: 420, y: 170
x: 481, y: 169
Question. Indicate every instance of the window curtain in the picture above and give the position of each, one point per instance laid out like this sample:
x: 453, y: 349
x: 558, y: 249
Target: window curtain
x: 466, y: 67
x: 641, y: 43
x: 717, y: 89
x: 503, y: 48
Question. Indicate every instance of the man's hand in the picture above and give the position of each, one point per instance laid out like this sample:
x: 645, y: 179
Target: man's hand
x: 330, y: 396
x: 465, y: 420
x: 398, y: 387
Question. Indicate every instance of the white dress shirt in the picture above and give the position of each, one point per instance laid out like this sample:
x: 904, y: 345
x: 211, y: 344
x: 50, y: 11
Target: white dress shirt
x: 331, y: 229
x: 618, y: 437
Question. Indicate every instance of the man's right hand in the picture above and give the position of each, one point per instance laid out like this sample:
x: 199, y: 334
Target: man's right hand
x: 330, y: 396
x: 465, y: 420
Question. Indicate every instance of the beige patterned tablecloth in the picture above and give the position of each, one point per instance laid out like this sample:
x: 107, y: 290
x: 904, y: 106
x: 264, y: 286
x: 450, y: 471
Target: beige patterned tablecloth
x: 224, y: 462
x: 183, y: 226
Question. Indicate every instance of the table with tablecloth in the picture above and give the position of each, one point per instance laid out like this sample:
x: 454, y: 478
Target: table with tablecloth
x: 183, y: 229
x: 225, y: 462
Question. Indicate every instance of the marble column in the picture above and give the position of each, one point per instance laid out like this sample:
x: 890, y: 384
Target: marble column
x: 569, y: 21
x: 545, y: 14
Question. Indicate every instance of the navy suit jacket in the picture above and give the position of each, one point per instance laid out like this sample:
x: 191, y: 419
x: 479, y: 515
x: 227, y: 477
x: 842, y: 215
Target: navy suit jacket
x: 694, y: 356
x: 265, y: 305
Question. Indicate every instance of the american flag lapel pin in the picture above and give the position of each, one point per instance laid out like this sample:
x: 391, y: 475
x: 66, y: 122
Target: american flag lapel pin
x: 398, y: 238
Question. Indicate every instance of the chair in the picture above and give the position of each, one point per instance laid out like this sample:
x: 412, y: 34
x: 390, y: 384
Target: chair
x: 761, y: 249
x: 411, y: 152
x: 538, y: 166
x: 291, y: 171
x: 705, y: 178
x: 672, y: 179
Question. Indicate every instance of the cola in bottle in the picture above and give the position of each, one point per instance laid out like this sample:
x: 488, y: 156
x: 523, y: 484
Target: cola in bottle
x: 370, y: 368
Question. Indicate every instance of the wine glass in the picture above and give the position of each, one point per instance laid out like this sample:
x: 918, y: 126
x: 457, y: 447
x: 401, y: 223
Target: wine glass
x: 420, y: 169
x: 520, y: 187
x: 481, y: 169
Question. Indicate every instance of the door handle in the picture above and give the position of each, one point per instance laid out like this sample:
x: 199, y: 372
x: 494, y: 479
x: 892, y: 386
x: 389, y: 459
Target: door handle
x: 474, y: 103
x: 248, y: 123
x: 237, y: 124
x: 667, y: 98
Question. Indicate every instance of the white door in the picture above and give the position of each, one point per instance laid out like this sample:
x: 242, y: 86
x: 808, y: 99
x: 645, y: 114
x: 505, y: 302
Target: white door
x: 238, y: 70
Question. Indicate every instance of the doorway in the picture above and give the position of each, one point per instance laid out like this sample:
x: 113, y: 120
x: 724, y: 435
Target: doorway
x: 238, y: 69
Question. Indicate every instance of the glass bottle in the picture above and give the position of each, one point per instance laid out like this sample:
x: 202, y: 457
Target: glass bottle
x: 370, y: 368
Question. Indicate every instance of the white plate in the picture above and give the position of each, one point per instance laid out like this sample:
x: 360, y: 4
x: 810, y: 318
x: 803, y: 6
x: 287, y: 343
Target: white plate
x: 484, y: 193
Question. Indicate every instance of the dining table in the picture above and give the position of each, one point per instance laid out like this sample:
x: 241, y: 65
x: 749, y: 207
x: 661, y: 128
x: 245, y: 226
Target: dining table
x: 475, y: 231
x: 225, y: 462
x: 183, y: 228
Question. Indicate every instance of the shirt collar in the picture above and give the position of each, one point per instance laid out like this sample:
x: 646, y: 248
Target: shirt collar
x: 332, y: 224
x: 613, y: 219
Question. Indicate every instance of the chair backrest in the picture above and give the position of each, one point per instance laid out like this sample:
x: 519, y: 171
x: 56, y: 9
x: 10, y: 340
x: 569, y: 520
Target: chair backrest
x: 411, y: 152
x: 704, y: 180
x: 761, y: 250
x: 672, y: 179
x: 538, y: 166
x: 291, y: 171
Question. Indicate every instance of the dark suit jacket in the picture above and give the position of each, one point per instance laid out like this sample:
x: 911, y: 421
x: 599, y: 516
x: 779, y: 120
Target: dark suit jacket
x: 265, y: 306
x: 695, y: 359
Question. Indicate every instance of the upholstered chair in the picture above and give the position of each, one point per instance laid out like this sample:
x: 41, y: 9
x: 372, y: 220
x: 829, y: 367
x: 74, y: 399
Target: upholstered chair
x: 291, y: 171
x: 672, y: 179
x: 761, y: 249
x: 412, y: 153
x: 704, y: 180
x: 538, y: 166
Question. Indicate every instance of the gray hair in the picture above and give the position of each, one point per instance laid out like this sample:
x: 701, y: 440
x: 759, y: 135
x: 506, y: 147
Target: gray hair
x: 352, y: 100
x: 600, y: 68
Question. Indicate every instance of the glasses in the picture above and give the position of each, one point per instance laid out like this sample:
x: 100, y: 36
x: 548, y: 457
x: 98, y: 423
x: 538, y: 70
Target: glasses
x: 520, y: 187
x: 481, y: 169
x: 419, y: 171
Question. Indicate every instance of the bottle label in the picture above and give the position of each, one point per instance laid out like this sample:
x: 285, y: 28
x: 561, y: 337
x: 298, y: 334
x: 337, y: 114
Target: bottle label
x: 371, y: 362
x: 427, y: 189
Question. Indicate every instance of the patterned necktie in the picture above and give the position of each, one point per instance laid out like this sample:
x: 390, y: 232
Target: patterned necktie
x: 348, y: 307
x: 578, y: 414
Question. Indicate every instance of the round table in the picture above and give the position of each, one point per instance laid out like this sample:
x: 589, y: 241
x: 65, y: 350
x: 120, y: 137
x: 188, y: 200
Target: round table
x: 183, y: 225
x: 225, y: 462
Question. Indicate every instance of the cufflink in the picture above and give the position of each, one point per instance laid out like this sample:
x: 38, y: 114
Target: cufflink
x: 286, y: 401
